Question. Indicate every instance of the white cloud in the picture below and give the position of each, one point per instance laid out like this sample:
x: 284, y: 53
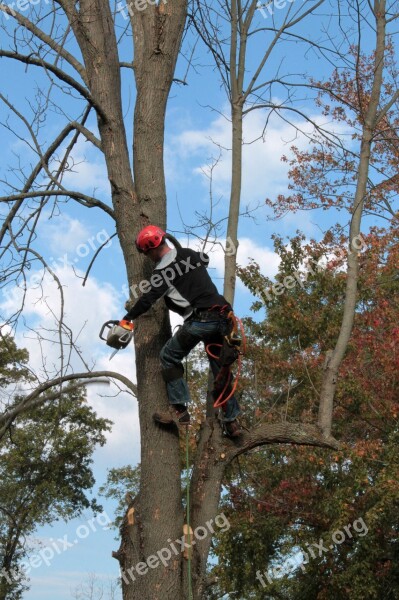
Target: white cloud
x: 264, y: 174
x: 63, y: 234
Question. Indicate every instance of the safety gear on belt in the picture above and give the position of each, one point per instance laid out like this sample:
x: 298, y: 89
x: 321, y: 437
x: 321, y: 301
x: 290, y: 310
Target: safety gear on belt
x: 149, y: 237
x: 230, y: 351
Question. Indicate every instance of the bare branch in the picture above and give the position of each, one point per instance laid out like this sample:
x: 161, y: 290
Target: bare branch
x: 97, y: 252
x: 89, y: 135
x: 59, y: 73
x: 284, y: 27
x: 33, y: 399
x: 42, y: 165
x: 280, y: 433
x: 41, y: 35
x: 83, y: 199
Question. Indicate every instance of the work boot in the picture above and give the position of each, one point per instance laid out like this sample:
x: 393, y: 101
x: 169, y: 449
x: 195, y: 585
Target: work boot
x: 179, y: 416
x: 233, y: 429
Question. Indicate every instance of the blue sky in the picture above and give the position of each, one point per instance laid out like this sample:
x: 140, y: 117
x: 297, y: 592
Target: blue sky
x: 194, y: 129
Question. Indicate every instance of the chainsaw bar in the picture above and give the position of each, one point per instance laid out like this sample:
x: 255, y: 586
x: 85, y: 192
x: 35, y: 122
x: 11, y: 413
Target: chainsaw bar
x: 113, y: 354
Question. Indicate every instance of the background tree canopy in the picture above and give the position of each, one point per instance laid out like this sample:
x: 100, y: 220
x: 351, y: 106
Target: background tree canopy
x: 45, y: 468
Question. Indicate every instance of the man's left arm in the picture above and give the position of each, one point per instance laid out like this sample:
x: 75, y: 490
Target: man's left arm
x: 158, y: 288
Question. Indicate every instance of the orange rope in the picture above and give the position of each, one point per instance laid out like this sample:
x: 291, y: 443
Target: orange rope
x: 220, y: 401
x: 210, y: 353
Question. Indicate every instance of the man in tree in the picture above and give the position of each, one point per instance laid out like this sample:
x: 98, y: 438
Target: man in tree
x: 180, y: 276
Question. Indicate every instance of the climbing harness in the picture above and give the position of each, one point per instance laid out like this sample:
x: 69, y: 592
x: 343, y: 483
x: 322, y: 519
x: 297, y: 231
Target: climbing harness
x: 119, y: 335
x: 231, y: 350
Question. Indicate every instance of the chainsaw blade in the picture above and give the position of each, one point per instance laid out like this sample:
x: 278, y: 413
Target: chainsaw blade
x: 113, y: 354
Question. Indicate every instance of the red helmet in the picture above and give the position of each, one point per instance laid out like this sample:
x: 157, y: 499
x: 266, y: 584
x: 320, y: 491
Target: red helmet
x: 149, y: 237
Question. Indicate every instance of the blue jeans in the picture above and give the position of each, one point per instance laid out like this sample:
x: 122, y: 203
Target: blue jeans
x: 179, y: 346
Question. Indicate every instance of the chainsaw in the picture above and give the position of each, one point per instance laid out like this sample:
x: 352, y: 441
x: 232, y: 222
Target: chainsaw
x: 119, y: 334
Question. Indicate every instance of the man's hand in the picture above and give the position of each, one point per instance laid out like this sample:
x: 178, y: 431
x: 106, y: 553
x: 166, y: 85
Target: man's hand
x: 129, y: 304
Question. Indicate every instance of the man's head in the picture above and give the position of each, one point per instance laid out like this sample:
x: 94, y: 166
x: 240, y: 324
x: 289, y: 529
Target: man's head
x: 151, y: 242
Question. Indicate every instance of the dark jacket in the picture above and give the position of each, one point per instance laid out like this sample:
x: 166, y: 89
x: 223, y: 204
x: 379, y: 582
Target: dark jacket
x: 182, y: 279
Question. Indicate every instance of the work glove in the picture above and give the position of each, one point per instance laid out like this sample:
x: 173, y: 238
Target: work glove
x: 129, y: 304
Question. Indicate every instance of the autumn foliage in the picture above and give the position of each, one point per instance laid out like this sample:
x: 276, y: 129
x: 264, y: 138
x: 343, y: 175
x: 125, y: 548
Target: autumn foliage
x: 284, y: 500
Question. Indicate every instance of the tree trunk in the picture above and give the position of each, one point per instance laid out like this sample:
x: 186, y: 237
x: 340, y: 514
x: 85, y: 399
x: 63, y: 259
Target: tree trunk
x: 157, y: 34
x: 236, y: 77
x: 371, y: 120
x: 158, y: 508
x: 208, y: 471
x: 235, y: 199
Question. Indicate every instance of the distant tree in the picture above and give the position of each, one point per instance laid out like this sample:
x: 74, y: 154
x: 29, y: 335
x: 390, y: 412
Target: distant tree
x: 122, y: 485
x: 95, y: 588
x: 357, y: 175
x: 45, y: 468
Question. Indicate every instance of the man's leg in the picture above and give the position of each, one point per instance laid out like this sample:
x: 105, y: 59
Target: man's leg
x: 172, y: 354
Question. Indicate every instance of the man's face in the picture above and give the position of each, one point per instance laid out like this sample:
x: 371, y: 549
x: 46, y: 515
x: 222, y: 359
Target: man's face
x: 153, y: 254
